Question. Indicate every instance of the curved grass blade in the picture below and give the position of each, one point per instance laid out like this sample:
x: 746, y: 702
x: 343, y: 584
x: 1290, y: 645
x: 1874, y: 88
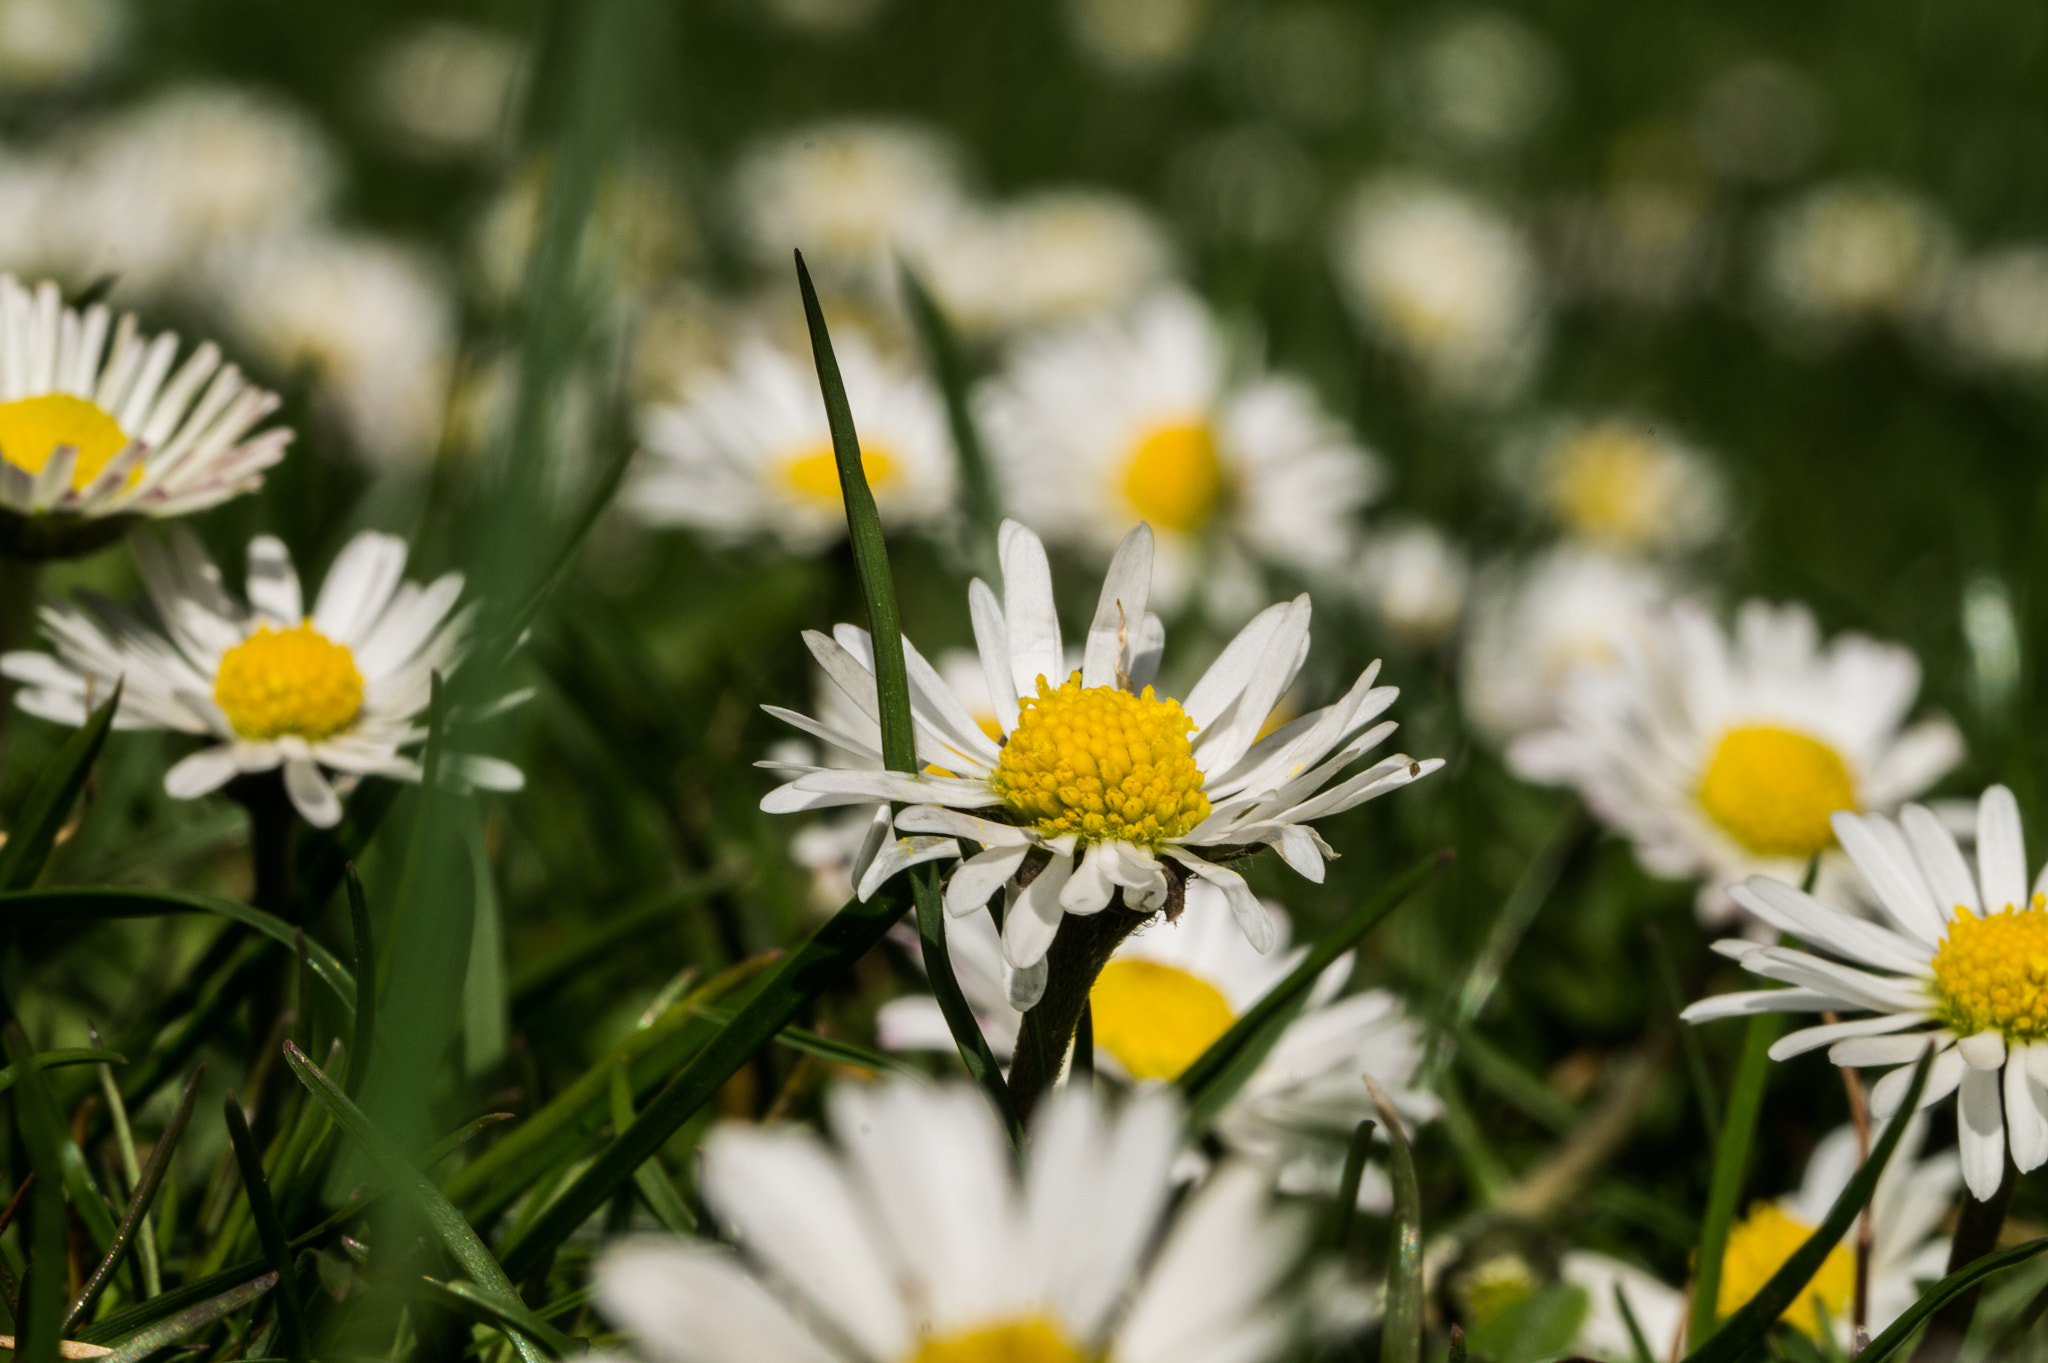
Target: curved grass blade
x: 1745, y: 1329
x: 1401, y: 1340
x: 1345, y: 1212
x: 149, y: 1272
x: 949, y: 375
x: 455, y: 1233
x: 291, y: 1312
x: 826, y: 1048
x: 511, y: 1317
x: 455, y: 1140
x: 33, y: 835
x: 191, y: 1320
x: 135, y: 1218
x: 1731, y: 1159
x: 660, y: 1195
x: 50, y: 1060
x: 39, y: 1323
x: 1209, y: 1083
x: 1942, y: 1293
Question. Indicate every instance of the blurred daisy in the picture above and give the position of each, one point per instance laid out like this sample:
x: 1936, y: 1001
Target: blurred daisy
x: 49, y: 44
x: 1170, y: 992
x: 1621, y: 484
x: 1138, y: 37
x: 1098, y: 784
x: 445, y: 89
x: 1447, y: 282
x: 1721, y: 756
x: 1535, y: 623
x: 96, y: 421
x: 1996, y: 314
x: 747, y: 452
x: 1414, y: 580
x: 1481, y: 81
x: 917, y: 1241
x: 1112, y: 422
x: 1954, y: 963
x: 1854, y: 252
x: 1912, y: 1198
x: 341, y: 689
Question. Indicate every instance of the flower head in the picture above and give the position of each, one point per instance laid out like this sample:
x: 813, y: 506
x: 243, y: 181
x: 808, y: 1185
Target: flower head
x: 1620, y: 484
x: 1853, y: 253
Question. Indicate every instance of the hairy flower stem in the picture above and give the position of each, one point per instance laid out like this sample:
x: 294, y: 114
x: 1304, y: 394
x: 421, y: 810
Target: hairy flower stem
x: 1976, y: 1236
x: 1080, y: 950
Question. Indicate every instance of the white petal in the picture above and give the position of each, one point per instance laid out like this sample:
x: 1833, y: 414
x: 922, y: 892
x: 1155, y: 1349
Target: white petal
x: 1088, y: 890
x: 1120, y: 611
x: 933, y: 819
x: 365, y: 574
x: 1866, y: 1052
x: 1984, y: 1050
x: 900, y: 854
x: 1029, y: 927
x: 1813, y: 1038
x: 202, y: 773
x: 992, y: 642
x: 690, y: 1303
x: 2023, y: 1115
x: 1026, y: 986
x: 1900, y: 890
x: 1746, y: 1002
x: 1251, y: 915
x: 1225, y: 680
x: 977, y: 879
x: 1941, y: 861
x: 1946, y: 1071
x: 273, y: 582
x: 1825, y: 926
x: 2001, y: 851
x: 1028, y: 611
x: 1980, y: 1132
x: 311, y: 794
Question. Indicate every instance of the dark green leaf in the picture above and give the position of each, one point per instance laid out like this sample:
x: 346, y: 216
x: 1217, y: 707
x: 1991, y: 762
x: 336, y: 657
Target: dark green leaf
x: 507, y: 1315
x: 291, y: 1312
x: 1954, y: 1285
x: 1401, y: 1340
x: 660, y: 1194
x: 138, y: 1205
x: 366, y: 980
x: 191, y: 1320
x: 50, y: 1060
x: 34, y: 833
x: 40, y: 1320
x: 1731, y: 1160
x: 1345, y: 1211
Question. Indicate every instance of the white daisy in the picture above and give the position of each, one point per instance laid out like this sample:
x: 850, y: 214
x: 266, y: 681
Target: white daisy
x: 341, y: 689
x: 1912, y: 1198
x: 1141, y: 419
x: 1446, y: 281
x: 95, y: 420
x: 1624, y: 484
x: 1098, y: 785
x: 1165, y: 997
x: 1955, y: 962
x: 1414, y: 580
x: 747, y: 452
x: 1536, y: 623
x: 1851, y: 253
x: 49, y: 44
x: 1723, y: 756
x: 446, y: 90
x: 1138, y: 38
x: 916, y: 1241
x: 1996, y: 314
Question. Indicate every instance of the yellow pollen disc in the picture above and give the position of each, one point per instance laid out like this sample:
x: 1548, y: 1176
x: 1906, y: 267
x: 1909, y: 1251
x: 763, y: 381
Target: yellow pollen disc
x: 1991, y: 974
x: 1102, y: 764
x: 288, y: 681
x: 31, y: 429
x: 814, y: 474
x: 1018, y: 1341
x: 1772, y: 790
x: 1156, y: 1019
x: 1605, y: 486
x: 1758, y: 1247
x: 1175, y: 478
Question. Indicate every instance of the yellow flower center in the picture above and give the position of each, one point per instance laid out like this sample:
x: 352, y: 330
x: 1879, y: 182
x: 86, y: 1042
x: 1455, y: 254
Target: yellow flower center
x: 1759, y: 1246
x: 814, y: 474
x: 1156, y: 1019
x: 1017, y: 1341
x: 31, y: 429
x: 1772, y: 790
x: 1991, y: 974
x: 1175, y: 478
x: 1102, y: 764
x: 1605, y: 487
x: 288, y: 681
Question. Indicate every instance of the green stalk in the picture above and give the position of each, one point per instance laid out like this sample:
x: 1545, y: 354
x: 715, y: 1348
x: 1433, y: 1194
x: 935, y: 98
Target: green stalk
x: 1401, y: 1337
x: 1731, y: 1159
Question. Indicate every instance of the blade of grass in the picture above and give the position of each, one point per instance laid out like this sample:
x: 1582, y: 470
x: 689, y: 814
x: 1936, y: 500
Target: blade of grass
x: 826, y: 1048
x: 39, y: 1320
x: 949, y: 375
x: 486, y: 1009
x: 1941, y: 1294
x: 1637, y: 1341
x: 190, y: 1321
x: 1401, y: 1340
x: 366, y: 980
x: 50, y: 1060
x: 291, y: 1312
x: 455, y: 1140
x: 660, y: 1195
x: 33, y: 835
x: 613, y: 927
x: 1731, y: 1160
x: 135, y: 1221
x: 1345, y: 1212
x: 151, y: 1274
x: 511, y: 1317
x: 1205, y: 1083
x: 514, y: 626
x: 1704, y: 1093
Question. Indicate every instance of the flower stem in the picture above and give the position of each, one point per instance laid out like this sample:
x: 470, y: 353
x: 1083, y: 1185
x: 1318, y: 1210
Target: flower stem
x: 1976, y: 1236
x: 1080, y: 950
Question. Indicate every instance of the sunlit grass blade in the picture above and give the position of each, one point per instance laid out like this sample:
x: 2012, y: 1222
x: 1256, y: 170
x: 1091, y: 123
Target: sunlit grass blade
x: 189, y: 1321
x: 661, y: 1196
x: 39, y: 1319
x: 949, y: 374
x: 1401, y: 1338
x: 460, y: 1137
x: 510, y: 1316
x: 1746, y: 1327
x: 808, y: 972
x: 1731, y: 1160
x: 33, y: 835
x: 455, y: 1234
x: 1345, y: 1212
x: 291, y: 1311
x: 134, y: 1221
x: 1210, y: 1082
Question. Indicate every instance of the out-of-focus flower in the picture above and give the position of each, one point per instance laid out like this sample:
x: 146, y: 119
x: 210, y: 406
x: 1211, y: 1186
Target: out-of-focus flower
x: 99, y: 425
x: 1622, y: 484
x: 1948, y: 965
x: 152, y: 189
x: 1480, y: 81
x: 445, y: 89
x: 917, y: 1242
x: 1759, y: 122
x: 1182, y: 781
x: 1051, y: 258
x: 1996, y: 313
x: 1176, y: 986
x: 640, y: 230
x: 1912, y: 1197
x: 1303, y: 64
x: 1138, y: 37
x: 1534, y: 624
x: 746, y: 451
x: 1446, y: 281
x: 1854, y: 253
x: 340, y: 689
x: 1643, y: 241
x: 29, y: 240
x: 1414, y: 581
x: 1141, y: 418
x: 48, y: 44
x: 848, y: 195
x: 1252, y: 183
x: 371, y: 319
x: 823, y: 18
x: 1724, y: 756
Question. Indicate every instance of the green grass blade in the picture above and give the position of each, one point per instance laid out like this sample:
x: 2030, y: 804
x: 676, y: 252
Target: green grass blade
x: 808, y: 972
x: 324, y: 855
x: 474, y: 1303
x: 1688, y: 1037
x: 39, y: 1321
x: 33, y: 835
x: 366, y: 980
x: 613, y: 927
x: 455, y: 1140
x: 1637, y: 1341
x: 1207, y: 1084
x: 134, y: 1220
x: 291, y: 1312
x: 50, y: 1060
x: 1345, y: 1212
x: 150, y: 1274
x: 1947, y: 1290
x: 1746, y: 1328
x: 513, y: 627
x: 660, y: 1195
x: 949, y: 374
x: 190, y: 1321
x: 455, y: 1234
x: 974, y: 1050
x: 1731, y: 1160
x: 486, y: 1010
x: 826, y: 1048
x: 1401, y: 1341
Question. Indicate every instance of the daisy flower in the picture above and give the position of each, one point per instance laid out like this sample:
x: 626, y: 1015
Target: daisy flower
x: 98, y: 420
x: 914, y: 1240
x: 1854, y: 252
x: 1165, y: 997
x: 1621, y: 484
x: 1414, y: 579
x: 1721, y: 756
x: 341, y: 689
x: 1995, y: 317
x: 747, y: 451
x: 1097, y: 784
x: 1111, y: 422
x: 1953, y: 963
